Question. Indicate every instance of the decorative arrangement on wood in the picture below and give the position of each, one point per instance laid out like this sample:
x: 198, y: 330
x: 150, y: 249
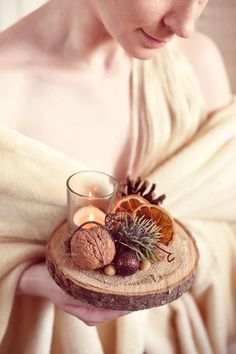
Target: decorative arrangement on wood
x: 141, y: 257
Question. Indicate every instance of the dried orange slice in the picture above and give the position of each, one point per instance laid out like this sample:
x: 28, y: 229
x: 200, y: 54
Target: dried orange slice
x: 130, y: 203
x: 162, y: 218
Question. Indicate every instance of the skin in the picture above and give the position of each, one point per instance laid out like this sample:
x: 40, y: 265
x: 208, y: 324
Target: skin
x: 44, y: 286
x: 160, y: 19
x: 73, y: 49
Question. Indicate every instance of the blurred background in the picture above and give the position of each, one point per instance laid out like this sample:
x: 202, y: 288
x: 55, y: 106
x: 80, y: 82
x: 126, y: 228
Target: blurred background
x: 218, y: 21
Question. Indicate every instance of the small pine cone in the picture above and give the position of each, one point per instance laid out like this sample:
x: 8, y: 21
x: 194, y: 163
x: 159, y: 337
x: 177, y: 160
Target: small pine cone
x: 140, y: 187
x: 115, y: 221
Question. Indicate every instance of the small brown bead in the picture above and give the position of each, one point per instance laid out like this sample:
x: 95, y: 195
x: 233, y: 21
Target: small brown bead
x: 110, y: 270
x: 144, y: 265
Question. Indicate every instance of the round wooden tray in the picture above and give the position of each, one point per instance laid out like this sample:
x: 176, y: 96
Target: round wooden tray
x: 162, y: 283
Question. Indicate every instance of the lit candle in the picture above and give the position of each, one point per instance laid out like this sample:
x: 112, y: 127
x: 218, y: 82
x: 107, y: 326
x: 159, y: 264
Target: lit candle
x: 89, y: 213
x: 90, y: 196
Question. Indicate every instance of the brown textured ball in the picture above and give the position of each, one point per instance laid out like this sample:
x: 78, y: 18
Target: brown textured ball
x: 92, y: 248
x: 126, y: 263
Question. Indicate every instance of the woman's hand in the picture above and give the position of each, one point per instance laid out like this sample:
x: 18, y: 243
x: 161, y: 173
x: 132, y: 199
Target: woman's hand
x: 36, y: 281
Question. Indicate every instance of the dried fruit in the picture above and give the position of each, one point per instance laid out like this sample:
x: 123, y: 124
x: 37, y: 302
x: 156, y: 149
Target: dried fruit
x: 130, y: 203
x: 126, y: 263
x: 161, y: 217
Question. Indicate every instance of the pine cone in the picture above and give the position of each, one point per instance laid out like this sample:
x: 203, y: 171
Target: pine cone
x: 115, y: 221
x: 142, y: 188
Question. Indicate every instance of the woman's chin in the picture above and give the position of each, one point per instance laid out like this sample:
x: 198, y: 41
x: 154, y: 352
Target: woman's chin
x: 141, y: 53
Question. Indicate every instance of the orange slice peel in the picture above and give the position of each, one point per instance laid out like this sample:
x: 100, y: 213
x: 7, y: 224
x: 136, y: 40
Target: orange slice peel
x: 130, y: 203
x: 162, y: 218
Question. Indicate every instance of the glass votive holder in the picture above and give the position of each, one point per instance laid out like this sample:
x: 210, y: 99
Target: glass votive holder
x: 90, y: 196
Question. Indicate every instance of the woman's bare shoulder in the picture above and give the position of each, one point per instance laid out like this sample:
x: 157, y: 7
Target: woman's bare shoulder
x: 208, y: 64
x: 14, y: 49
x: 21, y: 45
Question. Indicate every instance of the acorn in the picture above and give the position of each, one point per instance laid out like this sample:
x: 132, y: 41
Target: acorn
x: 110, y: 270
x: 126, y: 263
x: 144, y: 264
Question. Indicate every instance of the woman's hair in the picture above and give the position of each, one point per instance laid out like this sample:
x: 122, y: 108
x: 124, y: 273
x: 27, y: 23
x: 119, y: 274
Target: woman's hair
x: 166, y: 108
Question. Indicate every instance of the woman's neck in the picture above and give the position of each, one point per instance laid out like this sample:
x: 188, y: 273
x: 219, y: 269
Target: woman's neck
x: 76, y: 33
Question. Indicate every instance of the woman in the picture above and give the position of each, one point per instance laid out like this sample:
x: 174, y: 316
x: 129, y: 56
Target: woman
x: 72, y: 79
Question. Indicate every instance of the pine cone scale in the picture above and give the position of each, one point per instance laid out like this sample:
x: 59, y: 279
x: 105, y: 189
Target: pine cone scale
x: 141, y: 188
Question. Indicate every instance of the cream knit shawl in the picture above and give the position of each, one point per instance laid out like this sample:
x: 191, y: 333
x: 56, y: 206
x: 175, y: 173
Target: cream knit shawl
x: 198, y: 174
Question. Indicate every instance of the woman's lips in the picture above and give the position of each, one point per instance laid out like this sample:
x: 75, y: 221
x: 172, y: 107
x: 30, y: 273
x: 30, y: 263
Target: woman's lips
x: 152, y: 42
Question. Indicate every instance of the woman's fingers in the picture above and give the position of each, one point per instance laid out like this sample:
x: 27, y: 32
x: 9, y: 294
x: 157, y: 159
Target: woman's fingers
x: 92, y: 315
x: 37, y: 281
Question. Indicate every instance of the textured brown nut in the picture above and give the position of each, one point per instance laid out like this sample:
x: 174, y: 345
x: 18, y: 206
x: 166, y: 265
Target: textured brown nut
x: 92, y: 248
x: 144, y: 265
x: 110, y: 270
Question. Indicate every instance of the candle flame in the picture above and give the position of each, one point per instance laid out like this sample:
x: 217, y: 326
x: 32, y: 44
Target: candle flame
x: 90, y: 194
x: 91, y: 217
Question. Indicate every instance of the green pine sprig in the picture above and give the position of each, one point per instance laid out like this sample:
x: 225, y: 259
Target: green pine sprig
x: 140, y: 235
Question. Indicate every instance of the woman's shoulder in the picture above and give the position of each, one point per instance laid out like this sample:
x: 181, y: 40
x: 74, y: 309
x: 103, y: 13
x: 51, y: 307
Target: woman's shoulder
x: 14, y: 50
x: 21, y: 45
x: 7, y: 49
x: 208, y: 64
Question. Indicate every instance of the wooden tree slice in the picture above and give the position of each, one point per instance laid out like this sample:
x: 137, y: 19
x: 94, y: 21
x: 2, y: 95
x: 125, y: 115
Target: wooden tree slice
x: 162, y: 283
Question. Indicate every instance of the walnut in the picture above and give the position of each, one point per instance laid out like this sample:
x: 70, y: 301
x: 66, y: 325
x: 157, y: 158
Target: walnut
x: 92, y: 248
